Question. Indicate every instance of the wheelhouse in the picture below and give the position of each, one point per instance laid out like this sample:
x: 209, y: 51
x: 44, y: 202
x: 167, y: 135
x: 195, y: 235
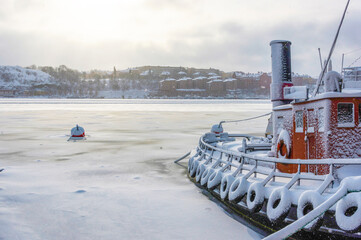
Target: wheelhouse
x: 328, y: 126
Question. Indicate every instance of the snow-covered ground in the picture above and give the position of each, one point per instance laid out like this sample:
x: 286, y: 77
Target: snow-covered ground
x: 133, y: 93
x: 121, y: 183
x: 12, y: 77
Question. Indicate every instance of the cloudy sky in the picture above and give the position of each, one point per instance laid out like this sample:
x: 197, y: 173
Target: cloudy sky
x: 229, y: 35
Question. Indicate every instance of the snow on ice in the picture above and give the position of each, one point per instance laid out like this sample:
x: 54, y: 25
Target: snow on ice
x: 121, y: 183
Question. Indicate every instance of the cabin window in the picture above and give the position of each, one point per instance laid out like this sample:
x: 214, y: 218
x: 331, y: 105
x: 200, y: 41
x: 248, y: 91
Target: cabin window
x: 310, y: 121
x: 321, y: 119
x: 299, y: 121
x: 345, y: 117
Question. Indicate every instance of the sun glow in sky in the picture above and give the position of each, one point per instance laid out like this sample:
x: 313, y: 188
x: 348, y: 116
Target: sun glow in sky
x: 229, y: 35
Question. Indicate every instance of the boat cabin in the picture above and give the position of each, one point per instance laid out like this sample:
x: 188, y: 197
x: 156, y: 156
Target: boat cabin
x: 327, y: 125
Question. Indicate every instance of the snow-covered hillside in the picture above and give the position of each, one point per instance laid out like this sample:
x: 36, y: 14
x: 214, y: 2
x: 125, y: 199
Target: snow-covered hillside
x: 15, y: 77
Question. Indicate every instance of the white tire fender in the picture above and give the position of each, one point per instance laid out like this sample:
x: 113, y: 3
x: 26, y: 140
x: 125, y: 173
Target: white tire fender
x: 238, y: 189
x: 349, y: 220
x: 226, y: 183
x: 279, y: 204
x: 255, y: 196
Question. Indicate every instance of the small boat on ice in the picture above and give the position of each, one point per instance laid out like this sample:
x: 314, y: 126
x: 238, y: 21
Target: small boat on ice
x: 77, y: 133
x: 303, y: 179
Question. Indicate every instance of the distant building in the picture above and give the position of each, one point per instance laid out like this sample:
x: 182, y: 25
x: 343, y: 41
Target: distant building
x: 237, y: 74
x: 230, y: 84
x: 200, y: 82
x: 146, y: 73
x: 184, y: 83
x: 216, y: 87
x: 264, y: 84
x: 7, y: 93
x: 181, y: 73
x: 168, y: 86
x: 165, y: 74
x: 209, y: 83
x: 303, y: 80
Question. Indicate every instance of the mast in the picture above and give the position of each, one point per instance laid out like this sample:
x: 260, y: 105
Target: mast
x: 330, y: 53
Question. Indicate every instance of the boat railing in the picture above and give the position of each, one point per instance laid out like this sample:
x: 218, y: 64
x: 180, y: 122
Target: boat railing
x: 265, y: 165
x: 352, y: 74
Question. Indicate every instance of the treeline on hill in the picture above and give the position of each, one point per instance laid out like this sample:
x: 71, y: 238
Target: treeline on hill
x: 71, y: 82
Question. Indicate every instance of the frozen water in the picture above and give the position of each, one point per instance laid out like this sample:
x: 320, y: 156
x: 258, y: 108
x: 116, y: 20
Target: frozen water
x: 121, y: 183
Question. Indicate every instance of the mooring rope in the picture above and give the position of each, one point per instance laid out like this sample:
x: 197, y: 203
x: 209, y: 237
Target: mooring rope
x: 246, y: 119
x: 183, y: 157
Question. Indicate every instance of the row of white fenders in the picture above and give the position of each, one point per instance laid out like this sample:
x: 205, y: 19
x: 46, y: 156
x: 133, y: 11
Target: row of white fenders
x: 235, y: 175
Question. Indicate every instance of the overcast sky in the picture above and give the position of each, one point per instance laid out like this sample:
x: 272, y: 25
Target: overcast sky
x: 230, y: 34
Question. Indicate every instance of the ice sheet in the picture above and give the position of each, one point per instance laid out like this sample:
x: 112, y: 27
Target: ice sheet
x: 121, y: 183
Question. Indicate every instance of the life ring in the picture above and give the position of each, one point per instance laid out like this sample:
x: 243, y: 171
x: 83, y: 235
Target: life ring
x: 282, y: 149
x: 205, y: 175
x: 255, y: 197
x: 238, y: 189
x: 279, y: 204
x: 226, y: 183
x: 348, y: 212
x: 215, y: 179
x: 283, y: 144
x: 308, y: 201
x: 200, y: 169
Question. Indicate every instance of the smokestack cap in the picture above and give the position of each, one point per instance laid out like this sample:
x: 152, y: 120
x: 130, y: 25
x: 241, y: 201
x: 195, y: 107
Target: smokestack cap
x: 279, y: 41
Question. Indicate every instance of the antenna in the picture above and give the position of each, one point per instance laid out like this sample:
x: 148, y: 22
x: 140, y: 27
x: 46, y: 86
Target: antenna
x: 330, y: 66
x: 319, y: 53
x: 330, y: 53
x: 343, y: 57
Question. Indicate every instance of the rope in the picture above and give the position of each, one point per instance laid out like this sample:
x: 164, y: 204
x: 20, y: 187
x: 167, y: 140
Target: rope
x: 355, y: 61
x: 356, y: 50
x: 183, y: 157
x: 246, y: 119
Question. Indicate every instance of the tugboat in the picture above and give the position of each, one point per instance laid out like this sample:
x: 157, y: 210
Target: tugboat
x: 303, y: 179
